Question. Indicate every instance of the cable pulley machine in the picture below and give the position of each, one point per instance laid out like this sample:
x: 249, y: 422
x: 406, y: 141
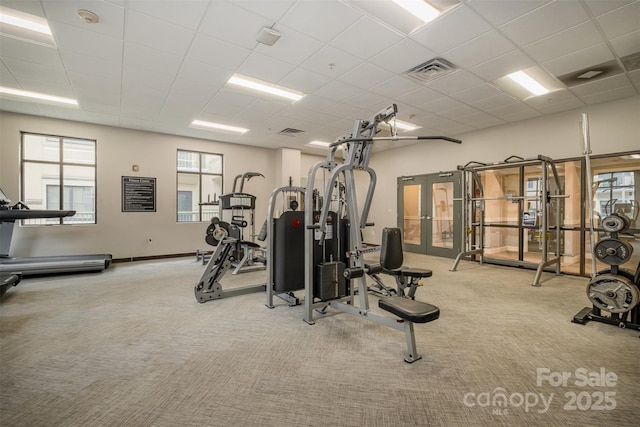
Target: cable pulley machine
x: 334, y: 283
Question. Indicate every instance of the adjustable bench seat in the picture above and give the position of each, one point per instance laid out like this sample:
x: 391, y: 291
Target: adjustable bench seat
x: 409, y: 272
x: 408, y: 309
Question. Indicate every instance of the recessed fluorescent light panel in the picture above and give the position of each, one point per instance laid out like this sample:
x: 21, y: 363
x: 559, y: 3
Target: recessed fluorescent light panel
x: 529, y: 83
x: 252, y: 84
x: 419, y: 8
x: 322, y: 144
x: 7, y: 92
x: 217, y: 126
x: 404, y: 16
x: 26, y: 27
x: 406, y: 126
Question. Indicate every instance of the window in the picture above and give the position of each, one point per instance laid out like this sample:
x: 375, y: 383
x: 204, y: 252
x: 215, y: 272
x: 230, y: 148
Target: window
x: 59, y: 173
x: 199, y: 185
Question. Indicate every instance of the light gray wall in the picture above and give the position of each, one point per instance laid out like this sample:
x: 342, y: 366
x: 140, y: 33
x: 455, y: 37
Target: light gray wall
x: 614, y: 127
x: 130, y: 234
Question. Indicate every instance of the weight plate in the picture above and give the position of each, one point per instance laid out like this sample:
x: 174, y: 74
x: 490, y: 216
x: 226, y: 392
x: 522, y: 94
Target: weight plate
x: 613, y: 251
x: 626, y: 219
x: 216, y: 232
x: 613, y: 293
x: 613, y: 224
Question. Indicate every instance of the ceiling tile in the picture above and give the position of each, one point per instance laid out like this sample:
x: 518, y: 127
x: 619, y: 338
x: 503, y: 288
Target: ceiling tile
x: 578, y: 60
x: 111, y: 16
x: 41, y: 86
x: 227, y: 55
x: 22, y: 107
x: 331, y: 62
x: 184, y: 13
x: 226, y: 97
x: 600, y: 7
x: 497, y: 101
x: 209, y: 77
x: 265, y: 68
x: 557, y: 107
x: 59, y: 112
x: 480, y: 120
x: 619, y: 93
x: 503, y: 65
x: 579, y: 37
x: 97, y: 67
x: 100, y: 118
x: 627, y: 44
x: 365, y: 76
x: 545, y: 21
x: 481, y: 49
x: 459, y: 111
x: 95, y: 89
x: 476, y: 93
x: 419, y: 96
x: 451, y: 29
x: 233, y: 24
x: 29, y: 70
x: 403, y: 56
x: 32, y: 7
x: 499, y: 12
x: 160, y: 35
x: 337, y: 91
x: 89, y: 43
x: 6, y: 78
x: 440, y: 104
x: 621, y: 21
x: 316, y: 102
x: 293, y: 47
x: 142, y: 76
x: 31, y: 52
x: 601, y: 85
x: 271, y: 9
x: 395, y: 86
x: 368, y: 100
x: 515, y: 116
x: 218, y: 112
x: 460, y: 80
x: 153, y: 60
x: 319, y: 19
x: 304, y: 80
x: 128, y: 122
x: 366, y: 38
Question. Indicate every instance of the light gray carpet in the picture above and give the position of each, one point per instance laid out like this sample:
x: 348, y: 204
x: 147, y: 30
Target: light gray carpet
x: 132, y: 347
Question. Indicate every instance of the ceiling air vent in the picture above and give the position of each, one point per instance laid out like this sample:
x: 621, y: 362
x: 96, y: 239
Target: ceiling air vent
x: 591, y: 74
x: 631, y: 62
x: 290, y: 132
x: 431, y: 70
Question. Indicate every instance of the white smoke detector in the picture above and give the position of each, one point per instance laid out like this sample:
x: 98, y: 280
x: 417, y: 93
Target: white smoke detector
x: 88, y: 16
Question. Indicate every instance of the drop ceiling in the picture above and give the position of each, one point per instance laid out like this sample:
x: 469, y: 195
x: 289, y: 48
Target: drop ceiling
x: 158, y: 65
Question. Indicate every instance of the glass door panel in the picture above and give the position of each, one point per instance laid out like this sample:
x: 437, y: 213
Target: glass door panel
x: 411, y: 212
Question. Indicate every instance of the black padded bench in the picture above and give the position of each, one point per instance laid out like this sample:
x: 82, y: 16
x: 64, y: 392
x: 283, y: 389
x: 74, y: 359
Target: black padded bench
x: 410, y: 310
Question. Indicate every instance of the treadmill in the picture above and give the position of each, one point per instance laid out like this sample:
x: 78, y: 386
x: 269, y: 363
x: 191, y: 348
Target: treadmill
x: 31, y: 266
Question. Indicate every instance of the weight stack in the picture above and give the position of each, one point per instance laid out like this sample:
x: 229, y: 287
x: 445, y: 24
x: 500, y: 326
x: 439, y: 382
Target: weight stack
x: 330, y: 282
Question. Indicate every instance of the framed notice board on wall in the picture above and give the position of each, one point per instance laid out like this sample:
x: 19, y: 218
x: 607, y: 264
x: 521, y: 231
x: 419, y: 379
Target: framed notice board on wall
x: 138, y: 194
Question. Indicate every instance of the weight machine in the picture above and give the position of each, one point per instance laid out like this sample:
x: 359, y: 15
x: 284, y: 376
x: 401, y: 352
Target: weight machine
x: 474, y: 216
x: 335, y: 283
x: 225, y: 237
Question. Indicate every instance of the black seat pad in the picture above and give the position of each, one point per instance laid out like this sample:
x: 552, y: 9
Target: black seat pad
x: 411, y: 272
x: 252, y: 245
x: 408, y: 309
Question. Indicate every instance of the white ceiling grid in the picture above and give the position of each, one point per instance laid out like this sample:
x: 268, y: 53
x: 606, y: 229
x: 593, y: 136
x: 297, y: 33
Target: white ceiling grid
x: 158, y: 65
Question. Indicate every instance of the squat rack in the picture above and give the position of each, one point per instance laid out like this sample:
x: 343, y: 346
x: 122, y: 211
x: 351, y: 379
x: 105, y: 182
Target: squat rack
x: 476, y: 203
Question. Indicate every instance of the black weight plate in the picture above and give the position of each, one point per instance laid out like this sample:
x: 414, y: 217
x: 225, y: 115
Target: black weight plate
x: 613, y: 251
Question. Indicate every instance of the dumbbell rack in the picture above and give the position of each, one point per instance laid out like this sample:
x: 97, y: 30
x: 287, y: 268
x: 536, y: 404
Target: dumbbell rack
x: 613, y: 290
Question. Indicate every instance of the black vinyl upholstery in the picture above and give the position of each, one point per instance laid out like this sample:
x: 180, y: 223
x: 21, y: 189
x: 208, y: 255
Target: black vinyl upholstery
x: 408, y: 309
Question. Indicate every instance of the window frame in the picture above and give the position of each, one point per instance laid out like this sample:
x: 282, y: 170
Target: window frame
x: 61, y: 164
x: 200, y: 175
